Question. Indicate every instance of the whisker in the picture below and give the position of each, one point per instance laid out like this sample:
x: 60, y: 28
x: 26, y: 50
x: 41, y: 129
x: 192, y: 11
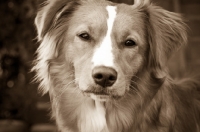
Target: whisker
x: 64, y: 89
x: 135, y: 90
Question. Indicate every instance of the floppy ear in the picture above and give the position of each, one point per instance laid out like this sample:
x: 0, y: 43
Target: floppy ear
x: 51, y: 11
x: 50, y: 26
x: 166, y: 33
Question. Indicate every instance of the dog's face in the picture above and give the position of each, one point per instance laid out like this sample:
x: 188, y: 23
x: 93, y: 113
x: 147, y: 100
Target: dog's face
x: 107, y: 44
x: 106, y: 47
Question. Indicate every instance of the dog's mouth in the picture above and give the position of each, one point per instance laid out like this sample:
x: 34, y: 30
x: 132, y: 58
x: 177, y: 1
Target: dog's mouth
x: 101, y: 95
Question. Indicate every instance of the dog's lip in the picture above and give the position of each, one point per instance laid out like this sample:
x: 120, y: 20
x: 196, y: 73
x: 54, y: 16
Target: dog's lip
x: 97, y: 93
x: 100, y: 93
x: 103, y: 97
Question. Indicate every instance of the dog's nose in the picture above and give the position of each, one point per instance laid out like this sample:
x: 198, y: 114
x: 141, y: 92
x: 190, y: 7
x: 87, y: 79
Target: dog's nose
x: 104, y: 76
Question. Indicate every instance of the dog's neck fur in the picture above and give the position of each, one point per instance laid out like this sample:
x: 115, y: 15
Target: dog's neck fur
x: 93, y: 116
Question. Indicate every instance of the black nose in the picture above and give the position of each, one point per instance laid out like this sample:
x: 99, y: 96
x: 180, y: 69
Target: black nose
x: 104, y: 76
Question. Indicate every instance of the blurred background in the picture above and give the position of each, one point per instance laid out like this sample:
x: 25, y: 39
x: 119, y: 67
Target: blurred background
x: 22, y: 109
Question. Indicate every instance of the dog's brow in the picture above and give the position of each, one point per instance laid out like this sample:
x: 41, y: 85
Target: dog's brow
x: 103, y: 55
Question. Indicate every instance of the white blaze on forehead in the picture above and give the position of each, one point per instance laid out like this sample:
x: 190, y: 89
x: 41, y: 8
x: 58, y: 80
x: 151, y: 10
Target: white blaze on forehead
x: 103, y: 54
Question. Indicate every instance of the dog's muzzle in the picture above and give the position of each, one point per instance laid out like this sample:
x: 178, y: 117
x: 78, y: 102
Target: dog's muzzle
x: 103, y: 79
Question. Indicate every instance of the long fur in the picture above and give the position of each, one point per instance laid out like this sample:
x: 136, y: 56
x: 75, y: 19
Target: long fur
x: 153, y: 101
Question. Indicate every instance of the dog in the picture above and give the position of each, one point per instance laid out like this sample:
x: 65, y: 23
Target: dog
x: 104, y: 66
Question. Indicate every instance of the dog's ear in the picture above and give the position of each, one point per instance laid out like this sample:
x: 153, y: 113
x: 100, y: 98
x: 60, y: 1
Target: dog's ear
x: 166, y: 33
x: 50, y: 12
x: 48, y: 23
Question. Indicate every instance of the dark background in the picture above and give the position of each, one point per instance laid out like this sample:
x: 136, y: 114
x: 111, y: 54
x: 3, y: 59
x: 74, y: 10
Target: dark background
x: 21, y: 108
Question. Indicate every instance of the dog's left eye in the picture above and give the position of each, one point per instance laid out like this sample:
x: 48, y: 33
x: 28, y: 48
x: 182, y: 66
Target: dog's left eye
x: 84, y: 36
x: 129, y: 43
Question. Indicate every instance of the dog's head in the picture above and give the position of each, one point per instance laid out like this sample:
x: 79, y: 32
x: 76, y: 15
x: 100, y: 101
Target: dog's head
x: 105, y: 45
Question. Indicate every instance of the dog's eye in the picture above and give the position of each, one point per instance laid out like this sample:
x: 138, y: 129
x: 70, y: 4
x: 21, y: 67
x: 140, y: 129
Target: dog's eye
x: 129, y: 43
x: 84, y: 36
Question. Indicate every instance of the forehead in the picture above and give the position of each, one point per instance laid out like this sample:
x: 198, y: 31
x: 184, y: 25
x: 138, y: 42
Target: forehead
x: 92, y: 14
x: 129, y: 18
x: 96, y: 14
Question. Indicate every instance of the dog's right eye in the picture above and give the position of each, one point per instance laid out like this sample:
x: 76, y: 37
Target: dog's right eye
x: 129, y: 43
x: 84, y: 36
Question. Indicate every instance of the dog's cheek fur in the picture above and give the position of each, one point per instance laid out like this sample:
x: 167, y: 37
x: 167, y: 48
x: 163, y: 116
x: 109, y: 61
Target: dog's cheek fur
x: 79, y: 53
